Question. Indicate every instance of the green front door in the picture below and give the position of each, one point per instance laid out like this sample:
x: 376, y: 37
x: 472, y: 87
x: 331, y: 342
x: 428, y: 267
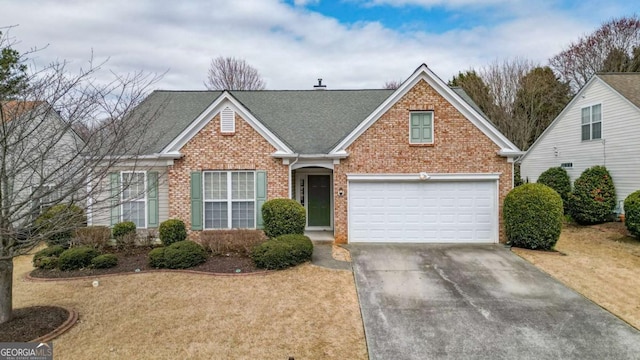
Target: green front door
x: 319, y: 200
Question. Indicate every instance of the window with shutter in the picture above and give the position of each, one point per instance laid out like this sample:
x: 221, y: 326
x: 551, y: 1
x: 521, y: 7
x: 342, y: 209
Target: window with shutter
x: 421, y: 127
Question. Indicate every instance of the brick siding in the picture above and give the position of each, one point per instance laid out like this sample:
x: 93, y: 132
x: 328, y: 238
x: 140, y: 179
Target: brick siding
x: 459, y: 147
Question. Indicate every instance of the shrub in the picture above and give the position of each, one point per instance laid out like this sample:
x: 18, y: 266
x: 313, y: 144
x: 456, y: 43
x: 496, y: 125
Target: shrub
x: 58, y: 223
x: 47, y: 258
x: 557, y: 179
x: 172, y: 231
x: 125, y: 234
x: 104, y: 261
x: 184, y: 254
x: 96, y: 236
x: 533, y: 216
x: 283, y: 216
x: 47, y: 263
x: 241, y: 241
x: 77, y: 258
x: 632, y: 213
x: 283, y: 252
x: 156, y: 258
x: 594, y: 196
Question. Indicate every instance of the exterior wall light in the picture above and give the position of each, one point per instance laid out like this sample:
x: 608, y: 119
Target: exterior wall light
x: 424, y: 176
x: 340, y: 192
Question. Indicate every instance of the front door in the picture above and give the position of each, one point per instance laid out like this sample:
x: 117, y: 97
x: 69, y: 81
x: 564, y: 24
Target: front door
x: 319, y: 200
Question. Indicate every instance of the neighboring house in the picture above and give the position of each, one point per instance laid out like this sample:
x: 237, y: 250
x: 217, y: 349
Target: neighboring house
x: 600, y: 126
x: 416, y: 164
x: 37, y: 141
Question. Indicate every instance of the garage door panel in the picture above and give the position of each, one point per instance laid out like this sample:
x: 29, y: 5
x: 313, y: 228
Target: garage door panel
x: 423, y: 211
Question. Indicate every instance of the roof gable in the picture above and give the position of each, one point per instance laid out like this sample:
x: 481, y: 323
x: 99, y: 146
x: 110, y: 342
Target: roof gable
x: 225, y: 99
x: 423, y: 73
x: 614, y: 82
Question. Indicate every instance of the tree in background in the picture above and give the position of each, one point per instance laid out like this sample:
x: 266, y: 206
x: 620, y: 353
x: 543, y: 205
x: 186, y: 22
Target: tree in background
x: 476, y: 88
x: 540, y: 97
x: 44, y: 163
x: 392, y: 84
x: 229, y: 73
x: 606, y: 49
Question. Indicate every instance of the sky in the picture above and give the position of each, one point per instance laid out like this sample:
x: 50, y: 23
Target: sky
x: 351, y: 44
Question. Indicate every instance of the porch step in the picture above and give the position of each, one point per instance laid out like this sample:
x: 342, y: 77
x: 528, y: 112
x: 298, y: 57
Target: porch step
x: 320, y: 236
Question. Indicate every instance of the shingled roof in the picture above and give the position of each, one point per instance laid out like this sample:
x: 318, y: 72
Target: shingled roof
x: 307, y: 121
x: 627, y: 84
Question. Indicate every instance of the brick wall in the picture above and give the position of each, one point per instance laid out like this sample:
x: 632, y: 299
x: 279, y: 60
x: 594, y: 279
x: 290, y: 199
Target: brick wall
x: 210, y: 150
x: 459, y: 147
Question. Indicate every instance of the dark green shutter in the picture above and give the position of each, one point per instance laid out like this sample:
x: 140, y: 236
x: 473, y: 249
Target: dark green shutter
x: 114, y: 180
x: 261, y: 196
x: 152, y: 199
x: 196, y: 200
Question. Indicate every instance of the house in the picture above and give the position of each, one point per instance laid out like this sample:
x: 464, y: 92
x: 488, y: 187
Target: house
x: 600, y: 126
x: 416, y: 164
x: 37, y: 141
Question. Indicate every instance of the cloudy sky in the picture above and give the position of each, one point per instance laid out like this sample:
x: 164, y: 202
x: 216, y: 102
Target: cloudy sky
x: 349, y: 43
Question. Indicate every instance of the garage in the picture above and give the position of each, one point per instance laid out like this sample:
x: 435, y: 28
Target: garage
x: 446, y: 209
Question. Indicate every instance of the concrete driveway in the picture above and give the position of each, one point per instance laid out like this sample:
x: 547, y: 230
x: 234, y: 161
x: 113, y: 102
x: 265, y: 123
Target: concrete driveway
x: 477, y: 302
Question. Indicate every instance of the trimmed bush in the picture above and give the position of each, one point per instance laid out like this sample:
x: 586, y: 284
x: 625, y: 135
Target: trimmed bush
x: 632, y: 213
x: 156, y: 258
x: 58, y: 223
x: 47, y: 263
x: 533, y: 216
x: 283, y: 216
x: 104, y: 261
x: 594, y: 197
x: 283, y: 252
x: 557, y: 179
x: 77, y: 258
x: 125, y: 234
x: 183, y: 255
x: 240, y: 241
x: 96, y: 236
x: 172, y: 231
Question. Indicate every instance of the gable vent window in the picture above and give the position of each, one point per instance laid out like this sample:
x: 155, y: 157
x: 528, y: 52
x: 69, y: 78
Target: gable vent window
x: 566, y: 165
x: 227, y: 121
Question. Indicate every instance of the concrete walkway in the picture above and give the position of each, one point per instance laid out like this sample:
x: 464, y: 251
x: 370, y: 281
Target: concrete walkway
x: 322, y: 257
x: 477, y: 302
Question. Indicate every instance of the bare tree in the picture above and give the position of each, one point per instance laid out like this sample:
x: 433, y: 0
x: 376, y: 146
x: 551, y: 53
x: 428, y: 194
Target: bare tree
x: 43, y: 162
x: 392, y: 84
x: 229, y: 73
x: 578, y: 62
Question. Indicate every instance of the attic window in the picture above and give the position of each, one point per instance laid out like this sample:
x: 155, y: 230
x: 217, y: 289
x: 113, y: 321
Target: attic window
x: 227, y: 121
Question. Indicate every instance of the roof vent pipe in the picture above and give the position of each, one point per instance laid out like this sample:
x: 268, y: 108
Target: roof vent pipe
x: 320, y: 86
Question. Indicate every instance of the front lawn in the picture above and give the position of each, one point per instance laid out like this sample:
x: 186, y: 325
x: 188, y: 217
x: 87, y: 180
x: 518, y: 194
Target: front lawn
x: 601, y: 262
x: 306, y: 312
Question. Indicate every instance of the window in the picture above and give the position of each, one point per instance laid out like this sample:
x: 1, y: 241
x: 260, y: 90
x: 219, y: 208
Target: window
x: 134, y: 198
x: 229, y: 199
x: 592, y: 122
x: 421, y: 128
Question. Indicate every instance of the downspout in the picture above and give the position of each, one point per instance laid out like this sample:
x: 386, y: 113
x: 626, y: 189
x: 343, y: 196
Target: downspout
x: 291, y: 191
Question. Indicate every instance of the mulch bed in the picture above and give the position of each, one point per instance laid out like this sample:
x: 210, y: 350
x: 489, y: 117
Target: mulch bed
x: 32, y: 322
x: 136, y: 260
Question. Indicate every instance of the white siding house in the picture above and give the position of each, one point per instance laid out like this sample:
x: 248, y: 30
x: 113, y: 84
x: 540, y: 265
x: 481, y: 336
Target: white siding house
x: 600, y: 126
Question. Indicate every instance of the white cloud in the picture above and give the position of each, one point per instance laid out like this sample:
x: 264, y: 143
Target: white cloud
x: 290, y: 46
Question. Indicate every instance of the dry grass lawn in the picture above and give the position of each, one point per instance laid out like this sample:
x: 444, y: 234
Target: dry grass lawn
x: 600, y: 262
x: 306, y: 312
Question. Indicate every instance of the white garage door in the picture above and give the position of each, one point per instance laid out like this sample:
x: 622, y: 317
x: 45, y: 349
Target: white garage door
x: 437, y: 212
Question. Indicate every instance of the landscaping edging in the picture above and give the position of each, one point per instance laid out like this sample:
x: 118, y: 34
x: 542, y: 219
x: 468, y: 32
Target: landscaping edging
x: 28, y: 276
x: 68, y: 324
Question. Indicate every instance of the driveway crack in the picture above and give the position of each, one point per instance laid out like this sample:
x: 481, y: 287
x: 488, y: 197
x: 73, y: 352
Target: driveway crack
x: 484, y: 312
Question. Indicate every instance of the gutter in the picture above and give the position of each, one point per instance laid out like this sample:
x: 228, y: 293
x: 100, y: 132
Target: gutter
x: 309, y: 156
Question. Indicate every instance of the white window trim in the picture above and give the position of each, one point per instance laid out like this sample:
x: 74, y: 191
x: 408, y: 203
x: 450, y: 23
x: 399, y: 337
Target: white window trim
x: 229, y: 201
x: 144, y: 199
x: 590, y: 107
x: 433, y: 121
